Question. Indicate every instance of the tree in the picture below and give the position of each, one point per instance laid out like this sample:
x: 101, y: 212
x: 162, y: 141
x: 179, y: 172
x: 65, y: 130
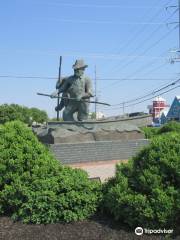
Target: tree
x: 93, y: 115
x: 38, y: 115
x: 16, y: 112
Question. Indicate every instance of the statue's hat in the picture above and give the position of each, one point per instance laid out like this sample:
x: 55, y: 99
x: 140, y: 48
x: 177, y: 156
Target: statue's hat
x: 79, y: 64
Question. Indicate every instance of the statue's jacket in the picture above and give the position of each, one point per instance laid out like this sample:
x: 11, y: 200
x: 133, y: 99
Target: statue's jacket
x: 76, y: 87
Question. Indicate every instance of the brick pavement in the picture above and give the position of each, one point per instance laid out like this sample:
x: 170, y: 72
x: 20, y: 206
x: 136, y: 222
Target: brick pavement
x: 101, y: 169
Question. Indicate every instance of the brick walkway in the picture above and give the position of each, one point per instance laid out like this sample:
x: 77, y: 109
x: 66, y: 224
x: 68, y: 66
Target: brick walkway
x: 101, y: 169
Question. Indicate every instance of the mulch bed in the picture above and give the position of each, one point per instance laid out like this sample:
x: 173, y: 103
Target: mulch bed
x: 97, y: 228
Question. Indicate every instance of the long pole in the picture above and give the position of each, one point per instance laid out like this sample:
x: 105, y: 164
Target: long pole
x: 59, y: 78
x: 95, y: 85
x: 123, y: 108
x: 179, y: 22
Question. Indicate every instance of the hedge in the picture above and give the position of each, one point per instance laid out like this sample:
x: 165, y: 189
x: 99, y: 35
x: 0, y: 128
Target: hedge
x: 35, y: 187
x: 146, y: 191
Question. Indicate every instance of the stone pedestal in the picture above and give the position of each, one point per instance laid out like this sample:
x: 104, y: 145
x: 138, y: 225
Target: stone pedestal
x: 92, y: 131
x: 92, y: 142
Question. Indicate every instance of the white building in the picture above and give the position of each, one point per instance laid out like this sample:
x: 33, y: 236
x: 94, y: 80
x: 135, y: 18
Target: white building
x: 99, y: 115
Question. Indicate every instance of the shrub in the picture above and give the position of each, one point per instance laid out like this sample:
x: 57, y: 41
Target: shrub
x: 171, y: 126
x: 38, y: 115
x: 16, y: 112
x: 145, y: 192
x: 149, y: 132
x: 36, y: 188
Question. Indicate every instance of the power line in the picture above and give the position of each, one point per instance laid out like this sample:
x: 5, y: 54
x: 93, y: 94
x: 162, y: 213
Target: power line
x: 153, y: 92
x: 149, y: 37
x: 106, y: 22
x: 99, y: 79
x: 149, y: 94
x: 132, y: 79
x: 177, y: 59
x: 92, y: 55
x: 141, y: 69
x: 138, y: 33
x: 156, y: 68
x: 147, y: 49
x: 102, y: 6
x: 134, y: 104
x: 153, y: 46
x: 28, y: 77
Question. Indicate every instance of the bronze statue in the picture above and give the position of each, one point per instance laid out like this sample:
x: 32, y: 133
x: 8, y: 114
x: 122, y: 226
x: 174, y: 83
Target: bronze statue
x: 76, y: 91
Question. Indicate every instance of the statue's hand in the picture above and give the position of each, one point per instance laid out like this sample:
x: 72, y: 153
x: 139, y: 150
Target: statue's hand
x: 87, y: 95
x: 54, y: 94
x: 79, y: 98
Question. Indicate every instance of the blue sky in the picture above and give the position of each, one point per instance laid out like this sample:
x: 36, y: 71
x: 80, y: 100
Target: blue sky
x: 124, y: 39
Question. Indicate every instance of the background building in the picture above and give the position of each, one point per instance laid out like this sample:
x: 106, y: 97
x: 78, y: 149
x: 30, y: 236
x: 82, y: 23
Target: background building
x: 159, y: 104
x: 163, y: 115
x: 174, y: 111
x: 98, y: 115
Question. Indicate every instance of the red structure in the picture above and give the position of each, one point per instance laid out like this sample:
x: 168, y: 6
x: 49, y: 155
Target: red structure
x: 159, y: 104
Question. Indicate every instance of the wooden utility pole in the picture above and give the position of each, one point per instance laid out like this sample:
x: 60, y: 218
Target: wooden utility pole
x: 95, y: 86
x: 59, y: 79
x: 179, y: 22
x: 123, y: 108
x: 177, y: 58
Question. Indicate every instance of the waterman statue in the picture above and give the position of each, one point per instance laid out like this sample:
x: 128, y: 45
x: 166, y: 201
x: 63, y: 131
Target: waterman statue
x: 76, y: 91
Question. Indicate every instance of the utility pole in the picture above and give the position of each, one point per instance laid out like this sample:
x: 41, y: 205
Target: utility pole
x: 95, y: 86
x: 177, y: 51
x: 179, y: 22
x: 59, y: 79
x: 123, y: 108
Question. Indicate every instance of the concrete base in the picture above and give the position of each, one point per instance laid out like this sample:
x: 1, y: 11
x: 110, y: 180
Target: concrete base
x: 75, y: 132
x: 93, y: 141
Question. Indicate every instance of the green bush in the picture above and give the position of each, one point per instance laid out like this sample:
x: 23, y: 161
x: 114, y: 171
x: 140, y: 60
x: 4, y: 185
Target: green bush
x: 36, y: 188
x: 38, y: 115
x: 16, y: 112
x: 146, y: 191
x: 171, y: 126
x: 151, y: 132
